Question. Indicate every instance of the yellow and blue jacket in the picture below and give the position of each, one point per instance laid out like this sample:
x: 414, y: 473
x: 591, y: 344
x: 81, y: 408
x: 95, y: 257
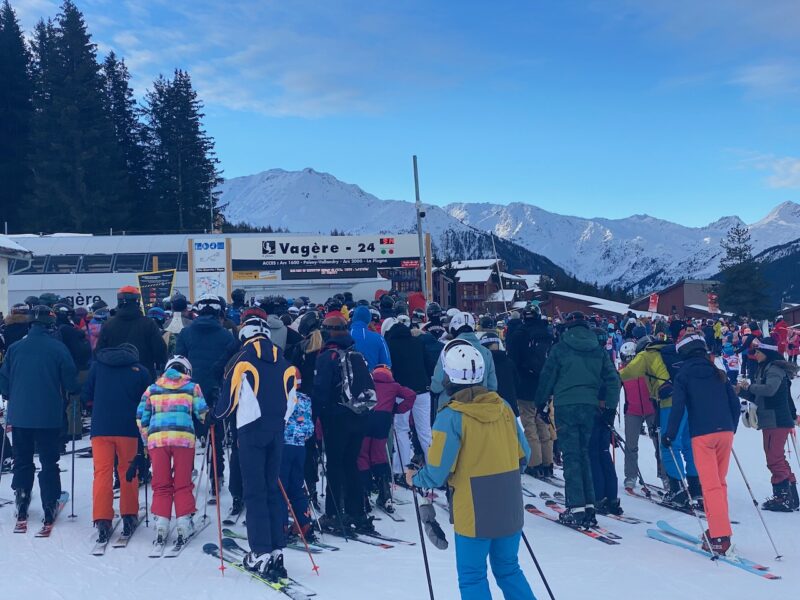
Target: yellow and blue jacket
x: 649, y: 364
x: 478, y: 448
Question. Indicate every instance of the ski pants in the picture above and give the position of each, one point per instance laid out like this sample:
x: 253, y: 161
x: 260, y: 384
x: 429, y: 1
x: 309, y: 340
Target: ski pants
x: 604, y: 476
x: 774, y: 443
x: 105, y: 449
x: 172, y: 481
x: 503, y: 553
x: 681, y: 446
x: 574, y: 424
x: 537, y: 432
x: 712, y: 454
x: 47, y: 443
x: 402, y: 426
x: 234, y: 469
x: 633, y: 429
x: 260, y: 455
x: 343, y: 434
x: 293, y: 461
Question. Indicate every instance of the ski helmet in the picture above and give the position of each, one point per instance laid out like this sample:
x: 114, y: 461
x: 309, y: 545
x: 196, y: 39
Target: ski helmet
x: 400, y: 308
x: 208, y: 305
x: 691, y: 342
x: 433, y: 310
x: 128, y: 295
x: 253, y: 326
x: 32, y: 301
x: 627, y: 351
x: 180, y: 364
x: 42, y: 315
x: 645, y: 342
x: 461, y: 320
x: 531, y: 311
x: 463, y: 363
x: 49, y: 299
x: 308, y: 323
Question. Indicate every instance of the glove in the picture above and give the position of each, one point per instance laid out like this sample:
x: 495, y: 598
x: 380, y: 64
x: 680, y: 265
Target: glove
x: 138, y: 467
x: 665, y: 391
x: 666, y: 442
x: 427, y: 514
x: 543, y: 414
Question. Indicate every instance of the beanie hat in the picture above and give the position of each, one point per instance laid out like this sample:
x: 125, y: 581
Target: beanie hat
x: 769, y: 347
x: 335, y: 326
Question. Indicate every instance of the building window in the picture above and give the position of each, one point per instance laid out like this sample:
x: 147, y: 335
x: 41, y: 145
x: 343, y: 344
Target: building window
x: 96, y: 263
x: 166, y: 260
x: 66, y: 263
x: 129, y: 263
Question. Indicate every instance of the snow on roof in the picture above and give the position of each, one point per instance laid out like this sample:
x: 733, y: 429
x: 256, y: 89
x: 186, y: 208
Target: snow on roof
x: 502, y: 296
x: 704, y: 308
x: 602, y: 303
x: 473, y: 275
x: 9, y: 247
x: 478, y: 263
x: 511, y: 277
x: 532, y: 281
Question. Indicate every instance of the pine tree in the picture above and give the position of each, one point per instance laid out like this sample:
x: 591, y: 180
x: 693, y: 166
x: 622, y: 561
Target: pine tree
x: 130, y: 137
x: 78, y: 174
x: 16, y: 110
x: 181, y: 158
x: 742, y: 287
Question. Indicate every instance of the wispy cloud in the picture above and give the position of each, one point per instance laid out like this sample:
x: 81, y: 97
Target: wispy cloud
x: 783, y: 171
x: 769, y: 79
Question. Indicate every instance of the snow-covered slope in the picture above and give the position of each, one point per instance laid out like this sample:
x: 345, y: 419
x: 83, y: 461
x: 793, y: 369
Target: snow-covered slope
x: 638, y: 252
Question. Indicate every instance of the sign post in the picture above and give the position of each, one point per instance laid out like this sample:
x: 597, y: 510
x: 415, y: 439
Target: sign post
x: 155, y: 286
x: 209, y: 267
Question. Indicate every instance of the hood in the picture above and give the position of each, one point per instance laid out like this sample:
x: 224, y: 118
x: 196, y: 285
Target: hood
x: 382, y: 376
x: 471, y: 337
x: 400, y: 331
x: 172, y: 379
x: 119, y: 356
x: 129, y: 312
x: 477, y: 402
x: 340, y: 341
x: 699, y: 367
x: 265, y: 349
x: 580, y: 338
x: 207, y: 322
x: 277, y: 331
x: 16, y: 320
x: 361, y: 315
x: 790, y: 369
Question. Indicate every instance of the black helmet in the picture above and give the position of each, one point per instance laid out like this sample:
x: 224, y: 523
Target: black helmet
x: 48, y: 299
x: 43, y: 315
x: 532, y: 311
x: 32, y: 301
x: 487, y: 322
x: 95, y: 306
x: 308, y: 323
x: 400, y: 308
x: 575, y: 316
x: 63, y: 311
x: 433, y: 310
x: 238, y: 295
x: 386, y: 302
x: 334, y: 303
x: 362, y: 302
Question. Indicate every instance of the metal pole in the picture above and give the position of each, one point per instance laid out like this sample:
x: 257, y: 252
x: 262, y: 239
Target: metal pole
x: 499, y: 274
x: 685, y: 485
x: 778, y: 555
x: 418, y: 206
x: 538, y: 568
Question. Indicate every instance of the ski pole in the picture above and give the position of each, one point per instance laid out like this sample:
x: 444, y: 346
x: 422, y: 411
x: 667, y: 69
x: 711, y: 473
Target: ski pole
x: 538, y: 568
x: 314, y: 516
x: 216, y: 491
x: 314, y: 566
x: 72, y: 475
x: 778, y: 555
x: 146, y: 508
x: 419, y: 524
x: 794, y: 443
x: 685, y: 485
x: 3, y: 450
x: 645, y: 488
x: 206, y: 458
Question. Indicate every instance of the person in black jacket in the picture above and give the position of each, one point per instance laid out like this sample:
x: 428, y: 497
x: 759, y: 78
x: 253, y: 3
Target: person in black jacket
x: 409, y: 370
x: 130, y: 325
x: 81, y: 352
x: 114, y: 388
x: 15, y: 325
x: 507, y: 380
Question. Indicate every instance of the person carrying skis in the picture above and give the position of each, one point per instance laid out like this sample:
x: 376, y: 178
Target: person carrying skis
x: 528, y: 347
x: 36, y: 371
x: 113, y: 389
x: 164, y: 417
x: 777, y: 416
x: 478, y: 450
x: 577, y: 371
x: 703, y: 392
x: 259, y: 390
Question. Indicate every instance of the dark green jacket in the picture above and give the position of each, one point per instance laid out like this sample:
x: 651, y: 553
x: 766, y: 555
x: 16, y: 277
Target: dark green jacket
x: 578, y: 371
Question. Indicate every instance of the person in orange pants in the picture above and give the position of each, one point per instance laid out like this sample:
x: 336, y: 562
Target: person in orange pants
x: 113, y: 388
x: 703, y: 390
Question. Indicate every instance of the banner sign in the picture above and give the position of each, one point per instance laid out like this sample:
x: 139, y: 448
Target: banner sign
x: 653, y: 306
x: 209, y: 273
x: 155, y: 286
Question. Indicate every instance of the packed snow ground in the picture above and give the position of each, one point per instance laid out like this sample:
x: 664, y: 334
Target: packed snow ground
x: 576, y: 566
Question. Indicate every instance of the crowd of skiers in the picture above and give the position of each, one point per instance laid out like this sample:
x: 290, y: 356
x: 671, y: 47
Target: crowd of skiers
x: 377, y: 394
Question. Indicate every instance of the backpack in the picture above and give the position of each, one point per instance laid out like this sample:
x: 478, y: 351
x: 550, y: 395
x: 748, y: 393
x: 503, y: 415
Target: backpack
x: 357, y: 387
x: 536, y: 354
x: 672, y: 360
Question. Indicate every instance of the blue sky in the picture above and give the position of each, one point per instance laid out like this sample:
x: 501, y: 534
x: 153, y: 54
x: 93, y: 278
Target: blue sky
x: 681, y: 109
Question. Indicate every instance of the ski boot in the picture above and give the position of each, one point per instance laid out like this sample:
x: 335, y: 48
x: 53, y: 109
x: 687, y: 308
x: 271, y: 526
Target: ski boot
x: 22, y: 500
x: 630, y: 483
x: 275, y: 569
x: 162, y: 530
x: 535, y: 472
x: 129, y: 524
x: 237, y: 505
x: 7, y: 465
x: 50, y: 511
x: 573, y: 517
x: 384, y: 499
x: 400, y: 480
x: 259, y: 564
x: 547, y: 471
x: 609, y: 507
x: 333, y: 526
x: 590, y: 518
x: 795, y: 499
x: 720, y: 546
x: 103, y: 530
x: 184, y: 527
x: 676, y: 495
x: 361, y: 524
x: 696, y: 491
x: 781, y: 500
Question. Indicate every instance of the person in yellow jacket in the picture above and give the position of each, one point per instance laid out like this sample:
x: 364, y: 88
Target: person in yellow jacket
x: 478, y: 449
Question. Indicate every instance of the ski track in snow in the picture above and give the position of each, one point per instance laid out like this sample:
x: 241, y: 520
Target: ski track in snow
x: 61, y: 567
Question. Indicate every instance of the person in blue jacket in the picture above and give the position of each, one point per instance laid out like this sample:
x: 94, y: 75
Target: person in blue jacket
x: 368, y: 343
x: 36, y: 373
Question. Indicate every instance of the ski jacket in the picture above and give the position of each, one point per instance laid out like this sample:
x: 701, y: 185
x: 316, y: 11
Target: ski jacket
x: 578, y: 371
x: 36, y: 371
x: 489, y: 374
x: 93, y: 328
x: 392, y: 397
x: 771, y: 392
x: 533, y: 331
x: 637, y: 398
x: 708, y: 398
x: 300, y: 426
x: 478, y: 448
x: 369, y: 343
x: 79, y: 347
x: 649, y: 364
x: 165, y: 411
x: 328, y: 378
x: 507, y: 384
x: 15, y: 327
x: 114, y: 389
x: 130, y: 325
x: 270, y: 378
x: 208, y: 346
x: 408, y: 358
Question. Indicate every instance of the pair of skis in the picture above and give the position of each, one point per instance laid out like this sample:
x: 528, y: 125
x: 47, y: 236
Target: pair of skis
x: 561, y: 499
x: 315, y: 547
x: 21, y: 525
x: 592, y: 533
x: 668, y: 534
x: 122, y: 540
x: 658, y: 501
x: 160, y: 549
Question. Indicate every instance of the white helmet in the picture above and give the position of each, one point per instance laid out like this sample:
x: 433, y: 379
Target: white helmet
x: 462, y: 362
x: 628, y: 349
x: 209, y: 302
x: 252, y: 327
x: 387, y: 324
x: 404, y: 320
x: 461, y: 319
x: 179, y: 363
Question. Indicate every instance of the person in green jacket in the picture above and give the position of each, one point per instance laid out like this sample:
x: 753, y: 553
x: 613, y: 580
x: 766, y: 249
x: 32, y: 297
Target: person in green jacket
x: 577, y: 374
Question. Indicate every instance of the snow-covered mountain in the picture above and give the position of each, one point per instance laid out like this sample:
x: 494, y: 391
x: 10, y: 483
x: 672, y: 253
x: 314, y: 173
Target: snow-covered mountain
x: 639, y: 252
